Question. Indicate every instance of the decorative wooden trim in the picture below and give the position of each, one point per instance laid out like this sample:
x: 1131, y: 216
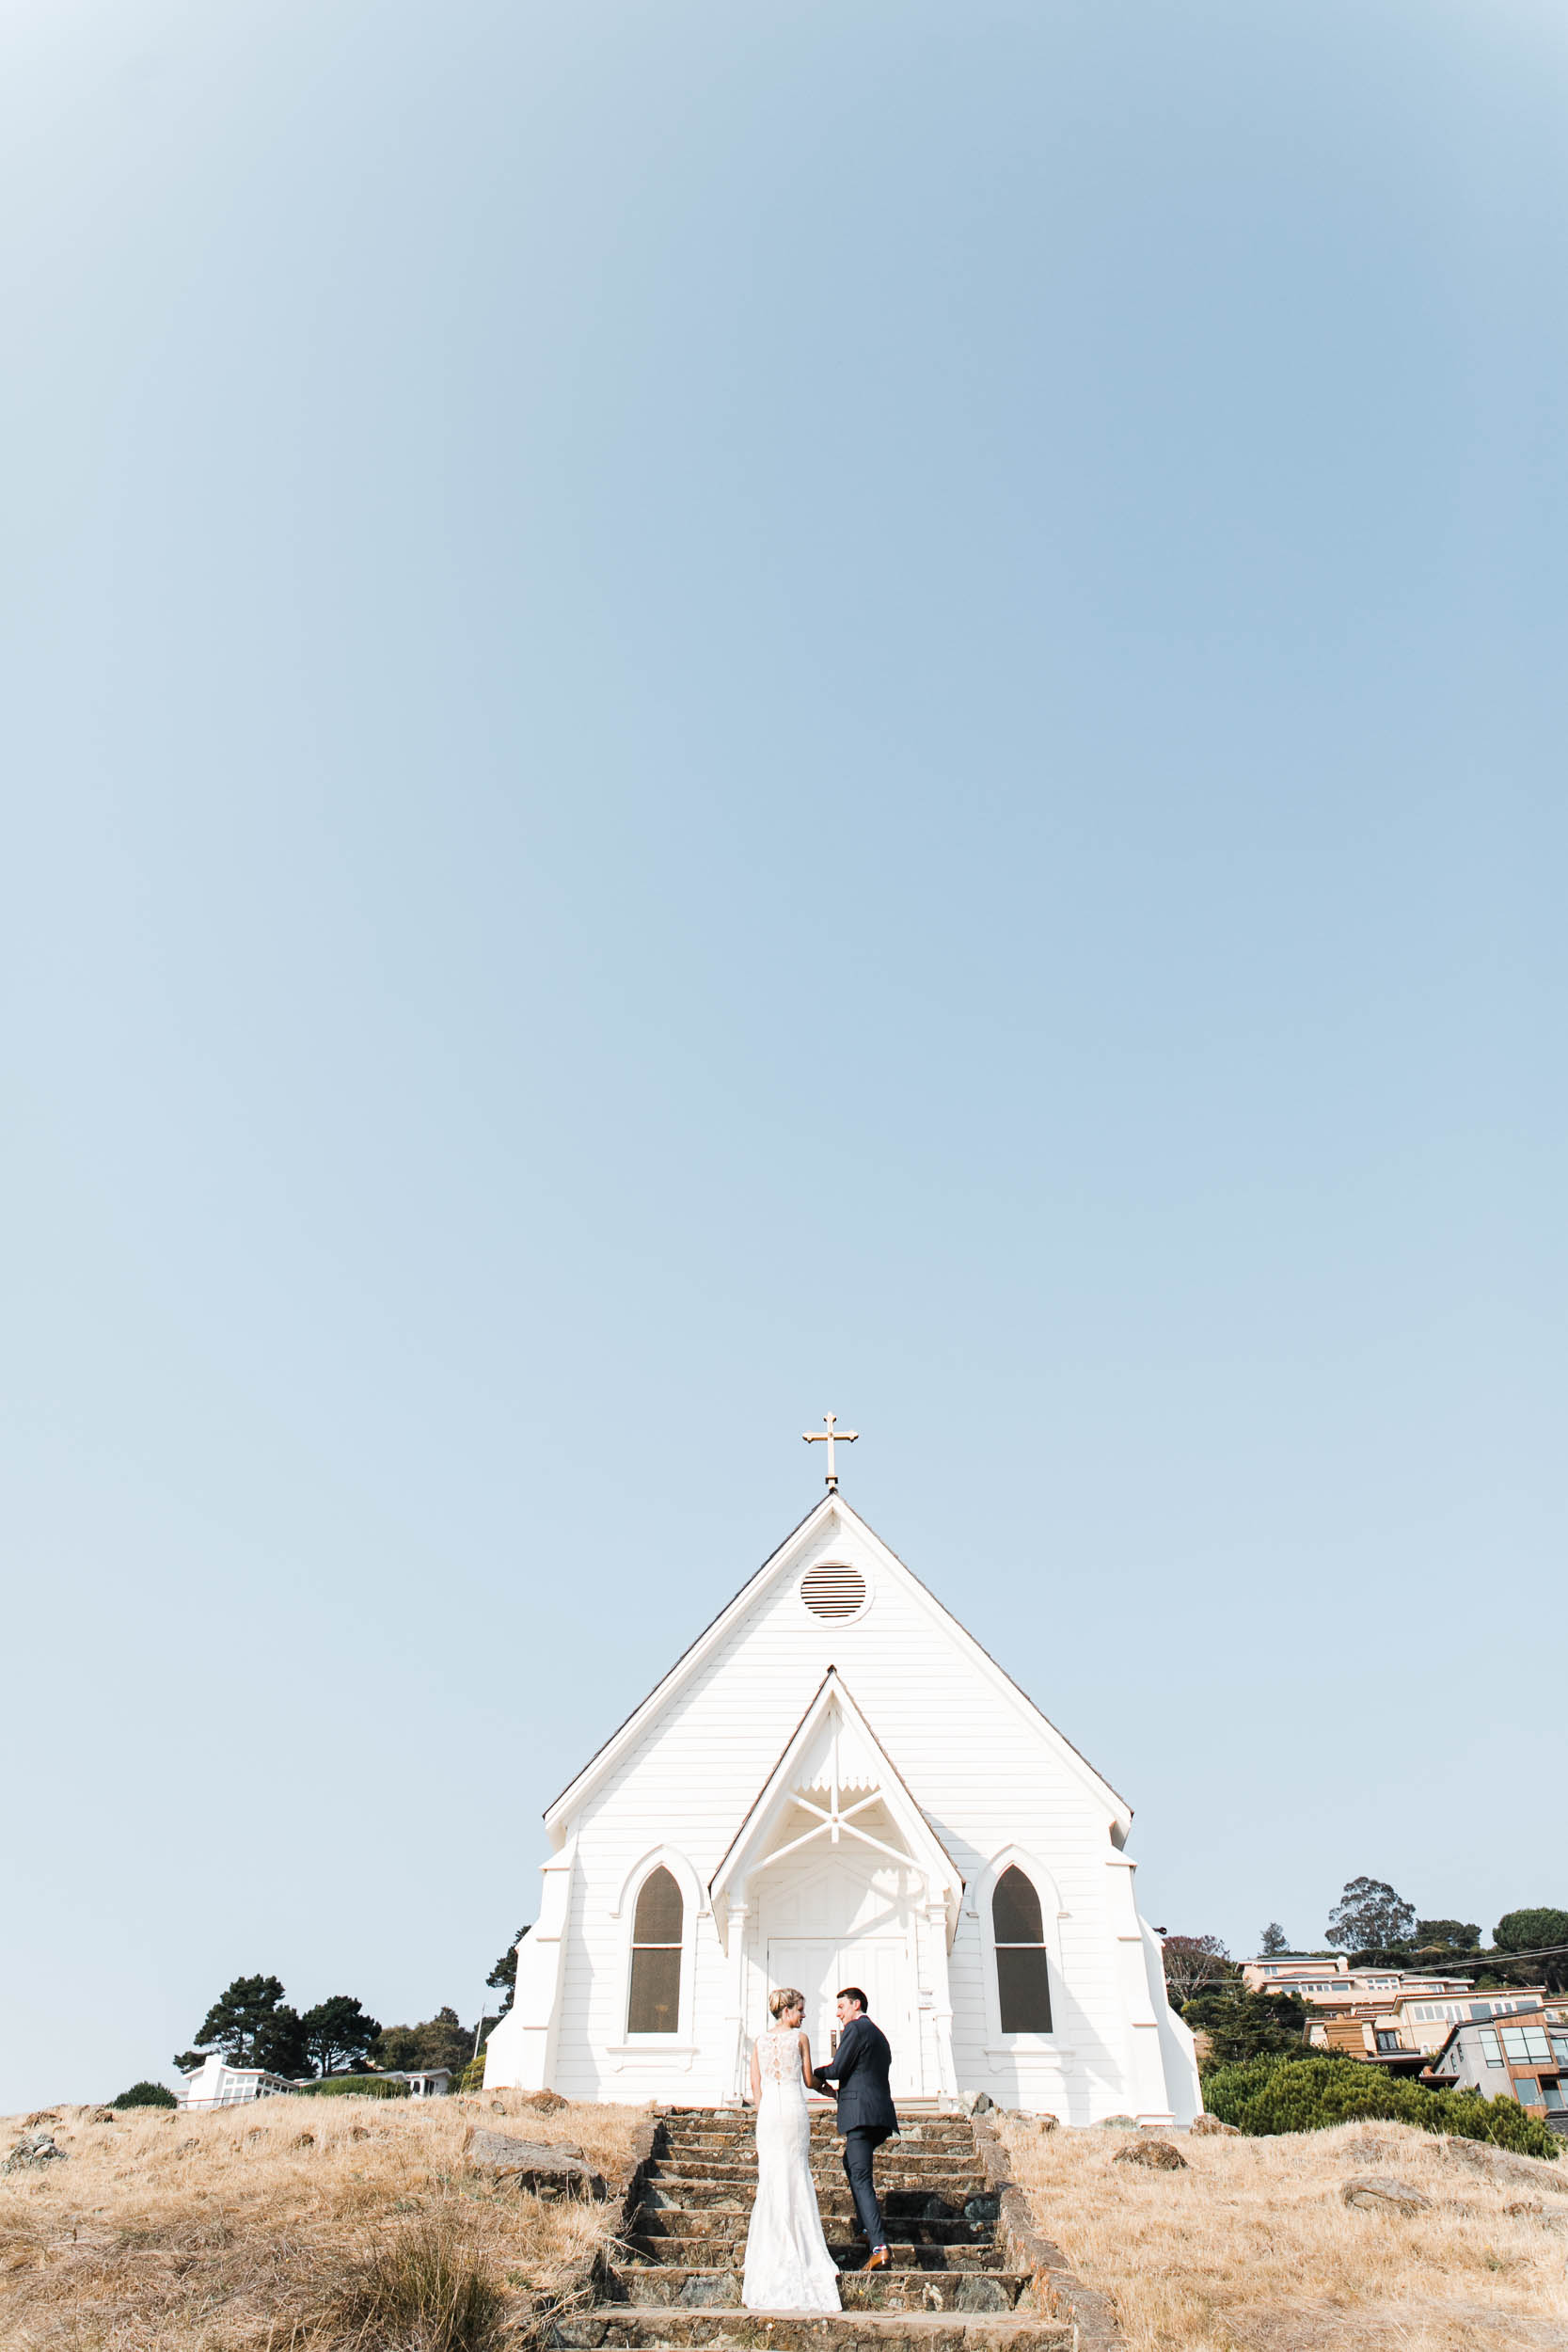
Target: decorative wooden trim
x: 1055, y: 2288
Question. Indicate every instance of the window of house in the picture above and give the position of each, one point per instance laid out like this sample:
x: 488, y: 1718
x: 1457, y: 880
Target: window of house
x: 1022, y: 1971
x: 1388, y: 2041
x: 1559, y: 2048
x: 1553, y: 2093
x: 655, y: 1956
x: 1528, y: 2090
x: 1526, y: 2042
x: 1489, y: 2048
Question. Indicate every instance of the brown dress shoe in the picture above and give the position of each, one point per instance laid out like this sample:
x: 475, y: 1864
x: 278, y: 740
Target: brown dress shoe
x: 880, y: 2259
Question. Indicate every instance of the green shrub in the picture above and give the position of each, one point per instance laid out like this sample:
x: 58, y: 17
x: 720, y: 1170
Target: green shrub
x: 354, y: 2085
x: 472, y: 2076
x: 1269, y: 2095
x: 145, y: 2096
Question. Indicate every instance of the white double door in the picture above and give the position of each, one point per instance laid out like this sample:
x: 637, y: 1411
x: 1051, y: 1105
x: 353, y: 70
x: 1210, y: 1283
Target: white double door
x: 880, y: 1964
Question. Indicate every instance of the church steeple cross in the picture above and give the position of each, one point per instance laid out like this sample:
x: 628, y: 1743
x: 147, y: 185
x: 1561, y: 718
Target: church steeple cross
x: 829, y: 1436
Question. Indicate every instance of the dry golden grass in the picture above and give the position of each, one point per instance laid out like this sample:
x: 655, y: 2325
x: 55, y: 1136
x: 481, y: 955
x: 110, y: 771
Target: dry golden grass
x: 269, y: 2225
x: 1253, y: 2250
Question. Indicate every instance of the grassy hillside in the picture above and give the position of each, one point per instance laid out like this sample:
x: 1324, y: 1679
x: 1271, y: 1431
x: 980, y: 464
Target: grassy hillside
x: 1253, y: 2250
x: 311, y: 2224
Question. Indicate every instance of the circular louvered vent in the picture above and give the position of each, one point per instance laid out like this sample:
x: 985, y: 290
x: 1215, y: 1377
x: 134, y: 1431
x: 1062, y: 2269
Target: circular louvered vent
x: 830, y: 1590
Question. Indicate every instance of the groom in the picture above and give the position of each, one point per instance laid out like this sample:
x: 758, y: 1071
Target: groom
x: 866, y: 2117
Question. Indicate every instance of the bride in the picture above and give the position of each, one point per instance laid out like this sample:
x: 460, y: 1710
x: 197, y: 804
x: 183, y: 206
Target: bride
x: 788, y: 2267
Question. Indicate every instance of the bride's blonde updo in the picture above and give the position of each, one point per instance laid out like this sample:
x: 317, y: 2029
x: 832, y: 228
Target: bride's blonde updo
x: 784, y: 1998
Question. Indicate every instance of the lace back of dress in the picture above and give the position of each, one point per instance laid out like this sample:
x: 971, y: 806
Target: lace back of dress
x: 778, y: 2053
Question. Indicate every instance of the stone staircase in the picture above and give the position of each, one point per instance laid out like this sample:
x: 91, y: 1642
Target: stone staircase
x: 674, y: 2279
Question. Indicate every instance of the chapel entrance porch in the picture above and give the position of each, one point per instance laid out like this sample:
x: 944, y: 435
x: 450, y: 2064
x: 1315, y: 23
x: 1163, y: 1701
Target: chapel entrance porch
x: 834, y: 1878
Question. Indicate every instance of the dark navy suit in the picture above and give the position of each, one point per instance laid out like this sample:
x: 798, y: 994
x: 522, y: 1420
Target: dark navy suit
x: 860, y: 2068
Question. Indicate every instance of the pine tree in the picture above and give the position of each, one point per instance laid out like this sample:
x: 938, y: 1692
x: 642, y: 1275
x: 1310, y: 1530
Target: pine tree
x: 338, y: 2033
x: 1446, y: 1935
x: 1527, y: 1930
x: 503, y: 1976
x: 251, y: 2024
x: 1241, y: 2025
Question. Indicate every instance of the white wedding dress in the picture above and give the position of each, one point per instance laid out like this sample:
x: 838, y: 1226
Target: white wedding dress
x: 788, y: 2267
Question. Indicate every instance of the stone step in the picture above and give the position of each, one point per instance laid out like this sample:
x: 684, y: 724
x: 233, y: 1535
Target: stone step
x: 942, y: 2135
x: 719, y: 2253
x: 698, y: 2188
x: 656, y: 2329
x: 744, y: 2113
x: 869, y: 2291
x: 848, y: 2251
x: 919, y: 2204
x: 822, y: 2152
x: 958, y: 2262
x: 823, y: 2148
x: 677, y: 2223
x: 915, y: 2163
x: 822, y: 2120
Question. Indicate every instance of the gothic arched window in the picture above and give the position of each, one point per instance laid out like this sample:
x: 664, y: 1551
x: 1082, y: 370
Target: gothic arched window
x: 655, y: 1956
x: 1022, y: 1972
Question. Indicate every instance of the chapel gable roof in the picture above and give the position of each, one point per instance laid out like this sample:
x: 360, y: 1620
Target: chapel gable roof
x: 798, y: 1546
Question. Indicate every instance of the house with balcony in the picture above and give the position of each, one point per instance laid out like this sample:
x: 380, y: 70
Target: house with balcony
x: 1400, y: 2034
x: 1521, y: 2056
x: 1365, y: 2030
x: 1424, y: 2023
x: 1333, y: 1982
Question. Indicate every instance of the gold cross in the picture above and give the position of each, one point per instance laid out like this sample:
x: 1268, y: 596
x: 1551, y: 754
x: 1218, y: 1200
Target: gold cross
x: 829, y: 1436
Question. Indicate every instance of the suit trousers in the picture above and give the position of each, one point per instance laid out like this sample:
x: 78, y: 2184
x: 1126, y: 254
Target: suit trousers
x: 861, y: 2142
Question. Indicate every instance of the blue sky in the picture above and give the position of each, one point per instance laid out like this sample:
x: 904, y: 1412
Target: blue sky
x: 720, y: 711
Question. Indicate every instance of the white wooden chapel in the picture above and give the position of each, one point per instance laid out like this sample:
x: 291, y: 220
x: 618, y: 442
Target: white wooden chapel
x: 837, y: 1785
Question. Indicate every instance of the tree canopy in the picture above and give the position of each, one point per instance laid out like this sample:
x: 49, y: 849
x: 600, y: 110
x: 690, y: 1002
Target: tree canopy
x: 338, y: 2033
x: 251, y: 2024
x: 1527, y: 1930
x: 1273, y: 1940
x: 1240, y: 2024
x: 1193, y: 1961
x: 441, y: 2040
x: 145, y: 2095
x: 1446, y: 1935
x: 1369, y: 1913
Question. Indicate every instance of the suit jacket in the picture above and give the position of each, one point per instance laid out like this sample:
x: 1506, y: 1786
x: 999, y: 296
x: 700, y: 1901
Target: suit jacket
x: 860, y: 2067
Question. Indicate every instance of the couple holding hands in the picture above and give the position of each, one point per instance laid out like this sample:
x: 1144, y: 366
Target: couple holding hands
x: 788, y: 2267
